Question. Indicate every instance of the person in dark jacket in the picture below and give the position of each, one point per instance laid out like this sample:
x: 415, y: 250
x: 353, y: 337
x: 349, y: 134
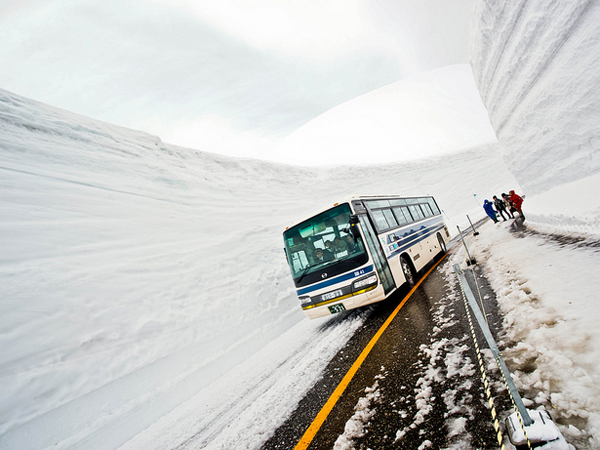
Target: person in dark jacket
x: 351, y: 244
x: 489, y: 209
x: 518, y: 202
x: 511, y: 208
x: 339, y: 246
x: 323, y: 255
x: 501, y: 207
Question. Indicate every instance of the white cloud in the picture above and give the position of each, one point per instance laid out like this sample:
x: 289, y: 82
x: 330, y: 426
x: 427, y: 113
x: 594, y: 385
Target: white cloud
x: 422, y: 34
x: 307, y: 28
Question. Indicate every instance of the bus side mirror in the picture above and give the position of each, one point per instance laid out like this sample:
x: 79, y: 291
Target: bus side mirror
x: 353, y: 228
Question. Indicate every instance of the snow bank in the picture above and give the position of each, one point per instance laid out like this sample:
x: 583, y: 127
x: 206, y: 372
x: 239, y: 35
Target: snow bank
x: 548, y: 292
x: 571, y: 209
x: 536, y: 66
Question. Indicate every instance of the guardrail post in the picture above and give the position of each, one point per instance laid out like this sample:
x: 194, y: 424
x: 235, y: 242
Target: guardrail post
x: 475, y: 233
x: 470, y: 260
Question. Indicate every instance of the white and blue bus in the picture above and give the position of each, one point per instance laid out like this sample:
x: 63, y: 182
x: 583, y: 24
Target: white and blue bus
x: 361, y: 250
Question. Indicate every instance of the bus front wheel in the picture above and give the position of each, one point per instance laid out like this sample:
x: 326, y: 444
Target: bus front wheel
x: 408, y: 271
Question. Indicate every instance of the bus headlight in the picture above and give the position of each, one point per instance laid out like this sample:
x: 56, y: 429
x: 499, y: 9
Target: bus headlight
x: 304, y: 300
x: 364, y: 283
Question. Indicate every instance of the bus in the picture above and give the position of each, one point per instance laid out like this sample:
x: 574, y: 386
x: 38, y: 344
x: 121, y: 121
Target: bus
x: 361, y: 250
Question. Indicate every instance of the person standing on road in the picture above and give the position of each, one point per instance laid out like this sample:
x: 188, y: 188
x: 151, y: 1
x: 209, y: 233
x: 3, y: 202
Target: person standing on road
x: 518, y: 202
x: 500, y: 207
x: 511, y: 207
x: 489, y: 209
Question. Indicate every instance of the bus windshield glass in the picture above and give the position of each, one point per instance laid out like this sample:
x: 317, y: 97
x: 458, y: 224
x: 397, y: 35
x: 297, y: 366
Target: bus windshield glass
x: 324, y: 241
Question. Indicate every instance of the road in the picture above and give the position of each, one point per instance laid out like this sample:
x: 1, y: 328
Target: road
x: 419, y: 387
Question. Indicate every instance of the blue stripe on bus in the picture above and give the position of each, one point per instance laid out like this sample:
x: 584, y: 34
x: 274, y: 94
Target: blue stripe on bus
x: 346, y: 276
x: 415, y: 238
x: 423, y: 225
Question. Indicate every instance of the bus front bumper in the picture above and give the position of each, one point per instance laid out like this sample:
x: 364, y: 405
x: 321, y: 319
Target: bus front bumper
x: 366, y: 297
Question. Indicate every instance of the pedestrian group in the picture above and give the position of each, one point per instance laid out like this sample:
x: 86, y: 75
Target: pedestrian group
x: 509, y: 204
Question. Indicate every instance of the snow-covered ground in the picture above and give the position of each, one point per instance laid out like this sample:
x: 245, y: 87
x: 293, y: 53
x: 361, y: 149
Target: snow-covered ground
x: 145, y: 296
x: 548, y: 289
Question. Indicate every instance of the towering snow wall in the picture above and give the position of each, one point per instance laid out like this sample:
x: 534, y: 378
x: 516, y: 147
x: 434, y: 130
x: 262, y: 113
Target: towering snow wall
x: 537, y: 67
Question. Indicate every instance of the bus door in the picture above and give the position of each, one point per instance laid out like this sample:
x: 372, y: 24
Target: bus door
x: 381, y: 264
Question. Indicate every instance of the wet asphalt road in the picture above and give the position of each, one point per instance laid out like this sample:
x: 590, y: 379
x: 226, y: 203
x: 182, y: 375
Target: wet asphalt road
x: 423, y: 371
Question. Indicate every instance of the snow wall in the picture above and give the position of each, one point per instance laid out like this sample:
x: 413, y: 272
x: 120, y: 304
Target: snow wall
x: 537, y: 69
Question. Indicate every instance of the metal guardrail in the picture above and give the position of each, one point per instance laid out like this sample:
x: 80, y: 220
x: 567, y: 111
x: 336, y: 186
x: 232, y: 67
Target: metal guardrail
x: 517, y: 400
x: 534, y: 428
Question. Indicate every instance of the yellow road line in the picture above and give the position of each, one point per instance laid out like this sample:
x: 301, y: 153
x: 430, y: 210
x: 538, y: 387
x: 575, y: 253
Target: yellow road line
x: 315, y: 426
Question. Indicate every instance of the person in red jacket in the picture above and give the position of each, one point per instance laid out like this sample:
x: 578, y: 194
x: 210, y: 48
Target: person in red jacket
x: 517, y: 202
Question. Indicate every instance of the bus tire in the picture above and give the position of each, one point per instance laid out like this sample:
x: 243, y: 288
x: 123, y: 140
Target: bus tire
x: 443, y: 248
x: 408, y: 271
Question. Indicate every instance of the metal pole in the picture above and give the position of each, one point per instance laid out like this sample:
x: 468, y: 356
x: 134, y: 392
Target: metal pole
x: 475, y: 233
x: 469, y: 260
x: 493, y: 347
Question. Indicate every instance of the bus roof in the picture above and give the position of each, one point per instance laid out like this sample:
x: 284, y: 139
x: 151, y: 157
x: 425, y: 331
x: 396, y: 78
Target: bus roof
x: 355, y: 197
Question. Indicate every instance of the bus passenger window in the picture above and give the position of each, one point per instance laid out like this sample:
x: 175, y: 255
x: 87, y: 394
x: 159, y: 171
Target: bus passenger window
x: 433, y: 206
x: 427, y: 210
x: 407, y: 215
x: 400, y: 217
x: 416, y: 212
x: 391, y: 220
x: 380, y: 221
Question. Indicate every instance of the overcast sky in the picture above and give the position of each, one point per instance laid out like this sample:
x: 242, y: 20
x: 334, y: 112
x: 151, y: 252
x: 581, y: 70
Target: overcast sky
x: 227, y: 76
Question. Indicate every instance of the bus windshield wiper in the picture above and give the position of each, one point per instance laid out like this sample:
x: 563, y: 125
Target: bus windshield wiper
x: 303, y: 273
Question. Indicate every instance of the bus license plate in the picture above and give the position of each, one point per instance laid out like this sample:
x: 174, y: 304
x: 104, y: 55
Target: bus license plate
x: 337, y: 308
x: 332, y: 294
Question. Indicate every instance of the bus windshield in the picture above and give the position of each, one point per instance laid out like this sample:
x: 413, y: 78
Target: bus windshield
x: 324, y: 241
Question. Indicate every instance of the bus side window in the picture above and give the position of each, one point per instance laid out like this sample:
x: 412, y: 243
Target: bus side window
x: 401, y: 217
x: 380, y: 221
x: 391, y: 220
x: 407, y: 215
x: 432, y: 205
x: 427, y: 209
x: 416, y: 212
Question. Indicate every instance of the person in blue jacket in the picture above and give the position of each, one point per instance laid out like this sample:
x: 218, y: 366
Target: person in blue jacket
x: 489, y: 209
